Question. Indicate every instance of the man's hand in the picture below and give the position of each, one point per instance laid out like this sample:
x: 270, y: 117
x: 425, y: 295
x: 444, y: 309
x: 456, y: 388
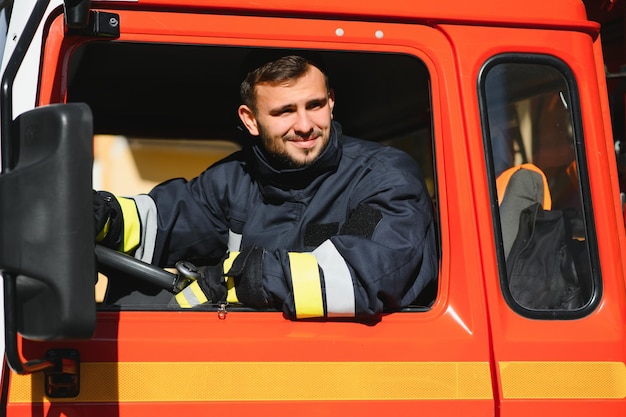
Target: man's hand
x: 244, y: 279
x: 209, y: 288
x: 247, y: 271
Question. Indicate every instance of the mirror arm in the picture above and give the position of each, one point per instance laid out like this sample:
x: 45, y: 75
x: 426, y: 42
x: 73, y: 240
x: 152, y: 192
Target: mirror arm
x: 10, y: 332
x: 9, y: 152
x: 9, y: 143
x: 77, y: 13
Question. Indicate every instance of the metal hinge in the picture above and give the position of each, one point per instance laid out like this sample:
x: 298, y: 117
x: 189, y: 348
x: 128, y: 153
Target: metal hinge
x: 63, y: 379
x: 101, y: 24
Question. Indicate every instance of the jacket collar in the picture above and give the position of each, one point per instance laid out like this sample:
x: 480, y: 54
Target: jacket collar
x: 294, y: 183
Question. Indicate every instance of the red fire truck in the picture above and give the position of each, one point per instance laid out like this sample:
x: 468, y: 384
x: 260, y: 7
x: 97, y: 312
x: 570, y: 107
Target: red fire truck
x: 142, y: 90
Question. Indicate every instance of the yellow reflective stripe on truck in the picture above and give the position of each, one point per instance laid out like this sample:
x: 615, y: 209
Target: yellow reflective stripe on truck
x: 268, y: 381
x: 563, y: 380
x: 327, y: 381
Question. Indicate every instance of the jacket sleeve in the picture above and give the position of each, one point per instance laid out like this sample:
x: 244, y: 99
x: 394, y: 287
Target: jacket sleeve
x: 187, y: 222
x: 183, y: 219
x: 381, y: 259
x: 173, y: 222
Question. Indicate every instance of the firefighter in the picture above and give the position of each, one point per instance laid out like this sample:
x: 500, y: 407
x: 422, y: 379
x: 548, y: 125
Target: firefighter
x: 303, y: 219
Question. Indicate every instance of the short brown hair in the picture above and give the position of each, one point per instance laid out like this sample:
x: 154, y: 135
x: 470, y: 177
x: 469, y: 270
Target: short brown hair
x: 290, y: 67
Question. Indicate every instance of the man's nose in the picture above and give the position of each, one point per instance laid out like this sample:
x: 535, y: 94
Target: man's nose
x: 303, y: 124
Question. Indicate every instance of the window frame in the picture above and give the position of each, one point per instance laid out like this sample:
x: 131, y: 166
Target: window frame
x: 583, y: 177
x: 431, y: 294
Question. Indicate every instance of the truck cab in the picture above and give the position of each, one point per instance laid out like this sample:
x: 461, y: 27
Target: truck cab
x: 125, y: 94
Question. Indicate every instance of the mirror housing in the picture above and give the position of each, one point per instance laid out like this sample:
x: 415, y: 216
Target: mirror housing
x: 47, y: 236
x: 77, y: 13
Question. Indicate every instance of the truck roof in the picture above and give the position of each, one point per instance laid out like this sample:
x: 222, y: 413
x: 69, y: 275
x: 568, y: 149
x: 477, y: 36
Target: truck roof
x: 563, y: 13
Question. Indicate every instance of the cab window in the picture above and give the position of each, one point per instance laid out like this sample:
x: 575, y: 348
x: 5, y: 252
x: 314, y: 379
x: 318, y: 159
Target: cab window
x: 541, y: 202
x: 167, y: 110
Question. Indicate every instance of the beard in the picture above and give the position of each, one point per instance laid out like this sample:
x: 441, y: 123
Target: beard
x: 281, y: 157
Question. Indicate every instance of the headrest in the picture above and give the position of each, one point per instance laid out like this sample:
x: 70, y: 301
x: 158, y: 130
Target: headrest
x: 503, y: 180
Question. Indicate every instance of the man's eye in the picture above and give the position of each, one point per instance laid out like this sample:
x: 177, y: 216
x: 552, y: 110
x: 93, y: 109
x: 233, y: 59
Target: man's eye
x: 281, y: 112
x: 316, y: 105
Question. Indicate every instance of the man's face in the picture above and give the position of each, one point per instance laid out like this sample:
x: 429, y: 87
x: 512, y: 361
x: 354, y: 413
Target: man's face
x: 293, y: 118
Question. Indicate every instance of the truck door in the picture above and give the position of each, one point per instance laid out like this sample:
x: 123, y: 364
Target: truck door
x: 169, y: 82
x: 541, y: 118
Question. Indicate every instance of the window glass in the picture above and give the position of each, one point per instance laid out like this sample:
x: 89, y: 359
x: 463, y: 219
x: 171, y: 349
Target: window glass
x: 168, y: 110
x: 536, y: 159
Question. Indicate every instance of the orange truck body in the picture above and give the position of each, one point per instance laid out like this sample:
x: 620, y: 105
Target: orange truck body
x: 469, y: 353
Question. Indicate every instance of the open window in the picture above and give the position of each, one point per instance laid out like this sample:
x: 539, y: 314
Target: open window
x: 170, y: 110
x: 543, y: 221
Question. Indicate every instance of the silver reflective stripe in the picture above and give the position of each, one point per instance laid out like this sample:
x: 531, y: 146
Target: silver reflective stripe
x: 234, y: 241
x: 148, y: 215
x: 337, y: 280
x: 190, y: 296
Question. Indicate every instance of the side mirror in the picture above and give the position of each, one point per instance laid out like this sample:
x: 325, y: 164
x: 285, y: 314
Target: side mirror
x: 46, y: 238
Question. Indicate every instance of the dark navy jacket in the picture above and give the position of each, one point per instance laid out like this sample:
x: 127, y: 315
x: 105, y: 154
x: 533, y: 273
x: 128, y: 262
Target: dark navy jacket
x: 361, y: 212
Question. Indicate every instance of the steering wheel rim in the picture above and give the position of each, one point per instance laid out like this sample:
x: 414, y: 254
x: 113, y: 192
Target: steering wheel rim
x: 143, y: 271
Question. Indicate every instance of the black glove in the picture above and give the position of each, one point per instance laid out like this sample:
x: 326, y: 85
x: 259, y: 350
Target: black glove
x: 213, y: 284
x: 108, y: 219
x: 247, y: 270
x: 209, y: 288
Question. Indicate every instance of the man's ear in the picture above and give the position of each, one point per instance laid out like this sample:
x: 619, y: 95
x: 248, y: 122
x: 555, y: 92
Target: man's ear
x: 247, y: 117
x: 331, y: 101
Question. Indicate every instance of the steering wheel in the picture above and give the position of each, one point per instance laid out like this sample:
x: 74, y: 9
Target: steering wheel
x: 141, y: 270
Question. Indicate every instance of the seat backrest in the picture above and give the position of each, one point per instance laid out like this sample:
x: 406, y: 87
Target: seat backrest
x: 518, y: 188
x: 541, y: 270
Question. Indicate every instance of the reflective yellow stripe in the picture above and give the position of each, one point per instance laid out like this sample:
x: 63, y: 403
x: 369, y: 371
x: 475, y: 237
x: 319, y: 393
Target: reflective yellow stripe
x: 103, y: 233
x: 306, y: 381
x: 132, y: 224
x: 268, y: 381
x: 231, y: 297
x: 182, y: 300
x: 191, y: 296
x: 307, y: 288
x: 563, y: 379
